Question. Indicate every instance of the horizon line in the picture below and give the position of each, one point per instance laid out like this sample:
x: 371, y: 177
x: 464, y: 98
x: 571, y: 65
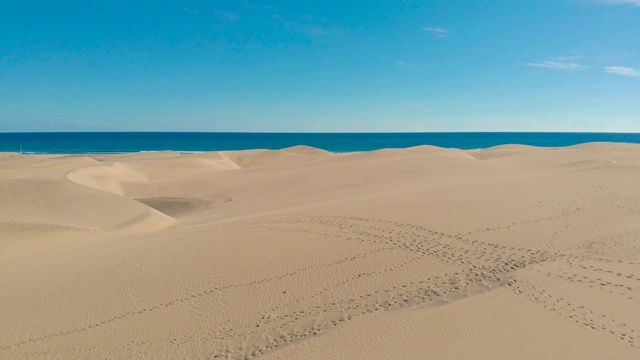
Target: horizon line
x: 318, y: 132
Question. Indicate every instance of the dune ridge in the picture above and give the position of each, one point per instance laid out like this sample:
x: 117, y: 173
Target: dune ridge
x: 507, y: 252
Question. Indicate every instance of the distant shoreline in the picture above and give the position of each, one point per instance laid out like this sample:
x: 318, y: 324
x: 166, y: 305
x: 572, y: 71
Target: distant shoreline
x: 187, y: 142
x: 607, y: 144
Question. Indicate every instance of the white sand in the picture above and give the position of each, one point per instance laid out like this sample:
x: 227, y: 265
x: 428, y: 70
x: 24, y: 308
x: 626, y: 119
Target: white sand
x: 512, y: 252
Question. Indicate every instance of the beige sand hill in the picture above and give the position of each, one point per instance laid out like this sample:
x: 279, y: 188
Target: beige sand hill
x: 506, y: 253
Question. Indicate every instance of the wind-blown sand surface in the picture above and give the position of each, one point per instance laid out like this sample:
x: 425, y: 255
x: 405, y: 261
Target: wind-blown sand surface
x: 511, y: 252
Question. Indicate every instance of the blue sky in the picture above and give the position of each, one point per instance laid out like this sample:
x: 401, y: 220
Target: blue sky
x: 307, y: 66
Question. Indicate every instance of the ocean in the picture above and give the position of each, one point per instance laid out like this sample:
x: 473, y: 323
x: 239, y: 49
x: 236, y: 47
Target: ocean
x: 78, y: 143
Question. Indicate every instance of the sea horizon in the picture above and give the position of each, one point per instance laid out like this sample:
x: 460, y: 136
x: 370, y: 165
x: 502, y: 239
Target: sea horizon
x: 188, y: 142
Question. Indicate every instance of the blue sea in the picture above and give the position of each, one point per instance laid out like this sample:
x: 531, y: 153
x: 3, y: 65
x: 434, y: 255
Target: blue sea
x: 77, y: 143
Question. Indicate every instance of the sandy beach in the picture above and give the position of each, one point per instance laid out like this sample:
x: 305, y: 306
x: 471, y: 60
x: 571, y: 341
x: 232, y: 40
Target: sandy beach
x: 512, y: 252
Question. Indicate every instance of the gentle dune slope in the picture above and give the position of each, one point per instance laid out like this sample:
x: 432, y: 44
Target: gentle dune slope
x: 418, y: 152
x: 37, y: 166
x: 18, y: 240
x: 607, y: 146
x: 477, y: 328
x: 512, y: 252
x: 113, y: 176
x: 62, y: 203
x: 252, y: 158
x: 502, y: 150
x: 37, y: 191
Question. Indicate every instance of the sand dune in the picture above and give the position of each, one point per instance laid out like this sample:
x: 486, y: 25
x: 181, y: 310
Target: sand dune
x: 107, y: 178
x: 38, y: 190
x: 512, y: 252
x: 502, y: 150
x: 306, y: 150
x: 252, y: 158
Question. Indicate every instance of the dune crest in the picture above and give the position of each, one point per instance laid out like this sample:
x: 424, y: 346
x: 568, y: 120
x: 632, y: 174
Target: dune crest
x: 253, y: 158
x: 306, y: 150
x: 108, y: 178
x: 606, y: 146
x: 502, y: 151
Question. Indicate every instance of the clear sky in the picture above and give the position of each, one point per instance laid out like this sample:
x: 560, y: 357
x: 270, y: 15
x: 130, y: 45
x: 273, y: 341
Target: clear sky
x: 306, y: 66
